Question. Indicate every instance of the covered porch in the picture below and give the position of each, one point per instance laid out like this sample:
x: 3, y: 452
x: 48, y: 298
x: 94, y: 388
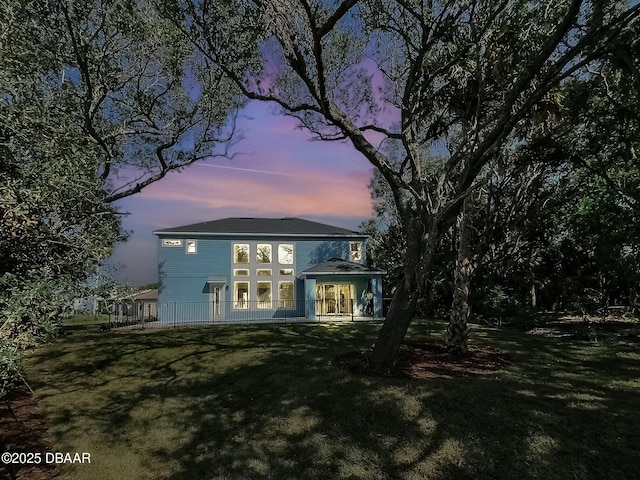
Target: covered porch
x: 341, y: 289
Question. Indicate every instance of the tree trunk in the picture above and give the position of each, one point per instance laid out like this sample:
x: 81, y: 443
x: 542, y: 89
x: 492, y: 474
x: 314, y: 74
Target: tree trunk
x: 534, y: 296
x: 457, y: 330
x: 394, y: 328
x: 416, y: 260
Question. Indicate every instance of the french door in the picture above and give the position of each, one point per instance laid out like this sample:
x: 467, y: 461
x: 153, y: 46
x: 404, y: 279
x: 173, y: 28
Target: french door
x: 216, y: 303
x: 335, y: 298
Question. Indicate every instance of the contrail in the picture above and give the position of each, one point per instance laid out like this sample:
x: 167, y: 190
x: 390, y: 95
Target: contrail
x: 252, y: 170
x: 336, y: 179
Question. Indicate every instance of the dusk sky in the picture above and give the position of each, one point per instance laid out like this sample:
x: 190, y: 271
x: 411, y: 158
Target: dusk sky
x: 278, y: 172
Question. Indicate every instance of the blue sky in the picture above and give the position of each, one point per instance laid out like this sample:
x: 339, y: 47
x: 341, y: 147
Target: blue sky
x: 278, y: 172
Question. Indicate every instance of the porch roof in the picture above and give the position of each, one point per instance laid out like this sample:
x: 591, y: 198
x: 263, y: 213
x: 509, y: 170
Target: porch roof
x: 338, y: 266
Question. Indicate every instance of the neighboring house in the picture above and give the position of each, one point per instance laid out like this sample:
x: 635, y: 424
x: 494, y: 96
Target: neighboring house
x: 264, y: 269
x: 146, y: 304
x: 131, y: 308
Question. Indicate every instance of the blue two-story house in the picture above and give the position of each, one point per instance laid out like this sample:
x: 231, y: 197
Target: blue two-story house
x: 264, y: 269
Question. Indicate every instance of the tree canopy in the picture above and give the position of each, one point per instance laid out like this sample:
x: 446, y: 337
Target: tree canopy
x: 97, y: 100
x: 407, y: 81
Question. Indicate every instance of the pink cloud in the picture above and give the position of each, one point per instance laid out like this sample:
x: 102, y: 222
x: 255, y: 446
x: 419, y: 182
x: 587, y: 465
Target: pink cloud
x: 279, y: 172
x: 261, y: 194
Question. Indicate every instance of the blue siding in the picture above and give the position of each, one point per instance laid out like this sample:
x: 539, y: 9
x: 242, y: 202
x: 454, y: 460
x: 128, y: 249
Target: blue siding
x: 183, y: 276
x: 314, y: 251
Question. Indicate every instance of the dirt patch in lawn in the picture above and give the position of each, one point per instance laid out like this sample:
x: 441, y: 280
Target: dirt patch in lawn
x: 423, y: 360
x: 23, y: 430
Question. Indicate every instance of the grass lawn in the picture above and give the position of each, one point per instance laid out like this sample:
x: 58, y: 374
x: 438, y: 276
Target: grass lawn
x: 264, y: 402
x: 87, y: 322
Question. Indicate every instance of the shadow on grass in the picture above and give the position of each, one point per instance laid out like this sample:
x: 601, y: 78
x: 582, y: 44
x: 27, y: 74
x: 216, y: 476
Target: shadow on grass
x: 264, y: 402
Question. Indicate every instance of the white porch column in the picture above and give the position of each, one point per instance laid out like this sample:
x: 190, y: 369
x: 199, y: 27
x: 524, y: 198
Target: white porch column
x: 310, y: 298
x: 376, y: 290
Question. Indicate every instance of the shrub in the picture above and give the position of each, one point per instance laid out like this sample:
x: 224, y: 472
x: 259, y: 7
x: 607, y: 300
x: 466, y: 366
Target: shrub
x: 10, y: 368
x: 504, y: 306
x: 29, y: 311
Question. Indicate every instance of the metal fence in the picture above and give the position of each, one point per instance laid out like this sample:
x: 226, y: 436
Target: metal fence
x: 180, y: 314
x: 127, y: 313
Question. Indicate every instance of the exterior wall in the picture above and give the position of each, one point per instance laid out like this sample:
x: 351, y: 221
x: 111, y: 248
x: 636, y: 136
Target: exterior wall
x: 314, y: 251
x: 188, y: 280
x: 183, y: 276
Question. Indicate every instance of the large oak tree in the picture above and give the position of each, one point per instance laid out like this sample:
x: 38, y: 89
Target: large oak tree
x: 403, y: 80
x: 98, y: 99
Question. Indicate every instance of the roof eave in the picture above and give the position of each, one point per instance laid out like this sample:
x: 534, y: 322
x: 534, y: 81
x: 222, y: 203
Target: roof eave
x: 370, y: 272
x: 242, y: 234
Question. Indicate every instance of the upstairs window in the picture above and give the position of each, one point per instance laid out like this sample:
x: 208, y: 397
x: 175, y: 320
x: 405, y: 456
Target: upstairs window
x: 263, y: 253
x: 240, y: 253
x: 166, y: 242
x: 285, y: 254
x: 355, y: 252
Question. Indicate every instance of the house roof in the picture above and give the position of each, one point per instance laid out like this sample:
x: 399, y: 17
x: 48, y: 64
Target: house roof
x: 260, y: 226
x: 339, y: 266
x: 148, y: 295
